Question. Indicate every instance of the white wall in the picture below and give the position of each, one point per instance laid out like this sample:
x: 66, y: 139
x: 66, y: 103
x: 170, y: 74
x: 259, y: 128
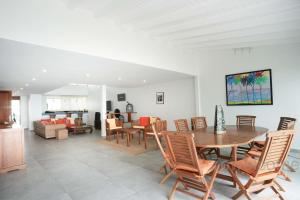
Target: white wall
x: 285, y: 64
x: 94, y: 102
x: 112, y: 95
x: 34, y: 109
x: 179, y: 100
x: 24, y: 111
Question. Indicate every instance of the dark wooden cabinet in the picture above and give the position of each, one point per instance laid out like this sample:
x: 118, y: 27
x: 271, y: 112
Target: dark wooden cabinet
x: 5, y: 106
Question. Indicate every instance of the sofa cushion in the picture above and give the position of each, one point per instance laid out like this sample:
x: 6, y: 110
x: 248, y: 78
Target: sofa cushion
x: 60, y: 121
x: 44, y: 122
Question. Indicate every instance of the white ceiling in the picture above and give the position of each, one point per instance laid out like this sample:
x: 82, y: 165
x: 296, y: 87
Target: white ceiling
x: 203, y: 24
x: 20, y: 62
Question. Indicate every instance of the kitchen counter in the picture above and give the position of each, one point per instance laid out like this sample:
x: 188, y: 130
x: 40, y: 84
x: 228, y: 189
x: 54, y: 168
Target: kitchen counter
x: 11, y: 148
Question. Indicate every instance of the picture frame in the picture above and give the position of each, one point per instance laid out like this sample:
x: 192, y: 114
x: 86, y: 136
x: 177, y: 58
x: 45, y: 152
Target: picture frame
x: 122, y: 97
x: 160, y: 98
x: 249, y: 88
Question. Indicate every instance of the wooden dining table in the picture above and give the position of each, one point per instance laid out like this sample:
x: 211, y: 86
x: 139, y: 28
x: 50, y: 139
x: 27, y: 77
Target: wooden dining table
x: 235, y: 135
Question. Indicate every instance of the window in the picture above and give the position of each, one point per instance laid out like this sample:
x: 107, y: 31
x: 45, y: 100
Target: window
x: 62, y: 103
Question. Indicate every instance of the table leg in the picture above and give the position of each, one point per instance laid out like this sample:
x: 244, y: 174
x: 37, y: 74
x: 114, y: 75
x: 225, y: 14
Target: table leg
x: 145, y: 138
x: 139, y: 137
x: 117, y: 135
x: 128, y: 138
x: 234, y: 158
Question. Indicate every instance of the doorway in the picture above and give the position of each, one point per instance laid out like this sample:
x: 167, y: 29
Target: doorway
x: 15, y: 110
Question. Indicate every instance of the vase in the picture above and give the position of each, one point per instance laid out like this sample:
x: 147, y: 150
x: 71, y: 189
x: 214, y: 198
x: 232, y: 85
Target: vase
x: 219, y: 127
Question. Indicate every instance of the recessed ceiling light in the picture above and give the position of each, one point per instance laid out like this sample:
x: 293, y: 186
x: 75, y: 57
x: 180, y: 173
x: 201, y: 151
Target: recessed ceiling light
x: 26, y: 84
x: 119, y: 78
x: 87, y: 75
x: 33, y: 79
x: 44, y: 70
x: 144, y: 81
x: 21, y: 88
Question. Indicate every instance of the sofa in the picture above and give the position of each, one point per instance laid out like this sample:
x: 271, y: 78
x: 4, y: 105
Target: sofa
x: 46, y: 130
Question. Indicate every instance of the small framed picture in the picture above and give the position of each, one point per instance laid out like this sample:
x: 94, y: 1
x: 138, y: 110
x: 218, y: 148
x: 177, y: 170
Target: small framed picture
x: 122, y: 97
x: 160, y: 98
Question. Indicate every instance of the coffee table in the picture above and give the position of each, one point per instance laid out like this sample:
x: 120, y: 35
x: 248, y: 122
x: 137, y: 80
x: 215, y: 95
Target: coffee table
x: 80, y: 129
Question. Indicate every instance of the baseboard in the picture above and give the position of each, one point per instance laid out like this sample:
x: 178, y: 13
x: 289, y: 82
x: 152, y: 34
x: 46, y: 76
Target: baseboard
x: 295, y: 150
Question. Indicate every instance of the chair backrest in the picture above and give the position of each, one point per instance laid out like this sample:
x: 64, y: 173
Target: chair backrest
x: 153, y: 120
x: 286, y: 123
x: 245, y: 120
x: 111, y: 123
x: 198, y: 123
x: 277, y: 147
x: 158, y: 127
x: 181, y: 125
x: 183, y: 151
x: 78, y: 121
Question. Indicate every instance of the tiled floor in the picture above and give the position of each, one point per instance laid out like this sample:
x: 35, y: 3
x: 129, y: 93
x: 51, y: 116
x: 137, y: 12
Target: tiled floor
x: 81, y: 169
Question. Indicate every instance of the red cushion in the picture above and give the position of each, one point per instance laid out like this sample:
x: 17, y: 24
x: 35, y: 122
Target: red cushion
x: 144, y: 121
x: 60, y: 121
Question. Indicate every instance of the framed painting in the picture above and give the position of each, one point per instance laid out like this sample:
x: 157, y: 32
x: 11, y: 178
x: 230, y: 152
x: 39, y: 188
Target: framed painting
x: 249, y: 88
x: 160, y: 98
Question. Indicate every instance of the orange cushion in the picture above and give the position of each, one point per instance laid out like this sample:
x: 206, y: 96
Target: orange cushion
x: 144, y: 121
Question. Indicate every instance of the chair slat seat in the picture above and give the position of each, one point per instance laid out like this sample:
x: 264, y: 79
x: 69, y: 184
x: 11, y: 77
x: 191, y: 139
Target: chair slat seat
x: 247, y: 165
x: 206, y: 166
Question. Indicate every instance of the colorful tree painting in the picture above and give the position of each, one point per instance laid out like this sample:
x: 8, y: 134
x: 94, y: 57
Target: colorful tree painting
x: 249, y: 88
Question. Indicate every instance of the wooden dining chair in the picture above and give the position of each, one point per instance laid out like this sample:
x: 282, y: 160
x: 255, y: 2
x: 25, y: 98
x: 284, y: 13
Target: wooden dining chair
x: 181, y: 125
x: 263, y: 172
x: 161, y: 125
x: 245, y: 120
x: 198, y: 123
x: 285, y: 123
x: 148, y: 131
x: 190, y: 170
x: 114, y: 127
x: 158, y: 127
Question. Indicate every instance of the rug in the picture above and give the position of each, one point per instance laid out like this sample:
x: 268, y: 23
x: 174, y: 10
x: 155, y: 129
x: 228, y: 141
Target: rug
x: 134, y: 149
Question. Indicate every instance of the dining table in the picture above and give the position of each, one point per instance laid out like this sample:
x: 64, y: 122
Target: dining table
x: 234, y: 136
